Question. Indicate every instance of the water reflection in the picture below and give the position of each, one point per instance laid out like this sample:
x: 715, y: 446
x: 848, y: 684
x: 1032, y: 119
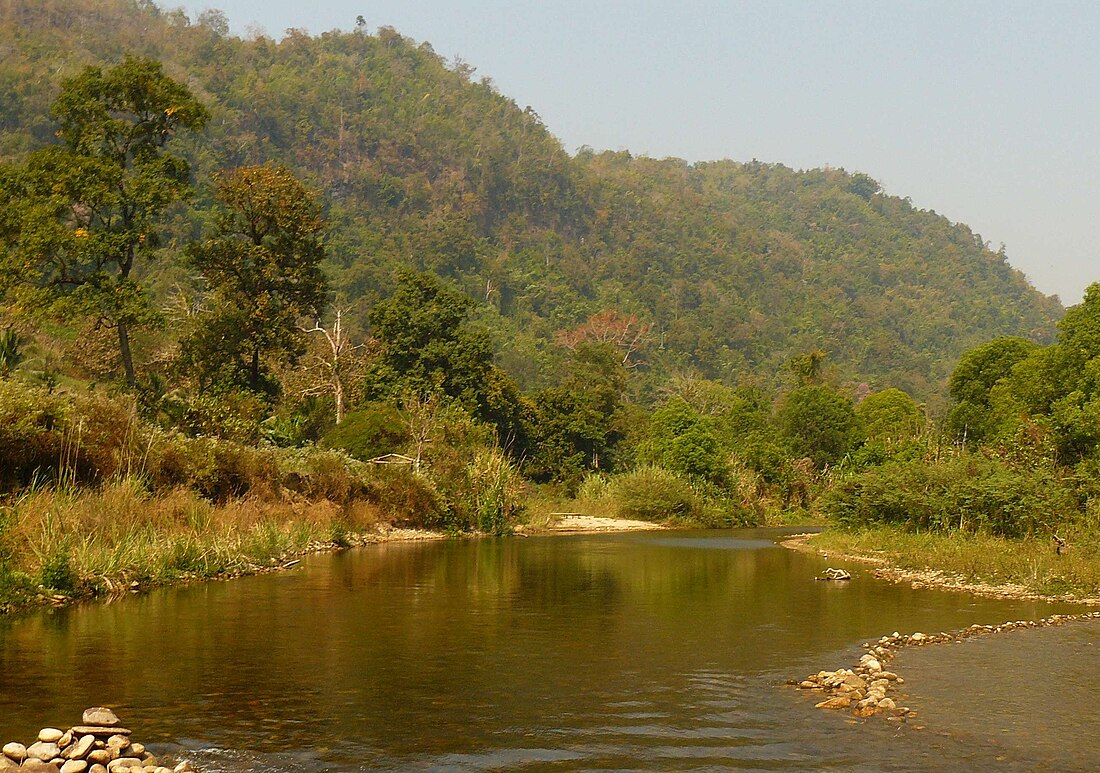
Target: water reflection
x: 657, y: 651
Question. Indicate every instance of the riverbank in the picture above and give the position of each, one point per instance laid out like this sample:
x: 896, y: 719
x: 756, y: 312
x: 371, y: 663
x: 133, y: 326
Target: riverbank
x: 974, y: 563
x: 63, y: 547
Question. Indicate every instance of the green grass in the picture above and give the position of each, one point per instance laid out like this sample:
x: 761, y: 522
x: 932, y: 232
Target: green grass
x: 1030, y: 562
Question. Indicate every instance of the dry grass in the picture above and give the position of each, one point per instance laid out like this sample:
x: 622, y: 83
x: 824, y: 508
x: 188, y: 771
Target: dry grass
x: 1032, y: 563
x: 89, y: 541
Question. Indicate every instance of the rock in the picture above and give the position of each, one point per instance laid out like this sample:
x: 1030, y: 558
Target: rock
x: 74, y: 766
x: 183, y: 767
x: 101, y: 716
x: 117, y: 743
x: 888, y: 675
x: 50, y: 735
x: 101, y: 732
x: 149, y: 759
x: 808, y: 685
x: 918, y: 637
x: 137, y: 749
x: 97, y: 768
x: 98, y: 757
x: 15, y: 751
x: 80, y: 749
x: 125, y: 763
x: 7, y: 763
x: 66, y: 739
x: 37, y: 766
x: 43, y: 752
x: 866, y: 711
x: 855, y: 681
x: 839, y: 702
x: 873, y: 666
x: 887, y: 704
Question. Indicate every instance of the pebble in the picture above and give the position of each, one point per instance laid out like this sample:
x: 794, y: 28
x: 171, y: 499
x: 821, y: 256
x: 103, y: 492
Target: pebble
x: 15, y: 751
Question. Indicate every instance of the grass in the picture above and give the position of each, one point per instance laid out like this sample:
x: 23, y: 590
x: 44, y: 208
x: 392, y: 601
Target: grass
x: 981, y: 558
x: 87, y: 542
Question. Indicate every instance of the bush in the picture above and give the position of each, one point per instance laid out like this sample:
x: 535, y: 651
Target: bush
x: 654, y: 494
x: 968, y: 493
x: 370, y: 432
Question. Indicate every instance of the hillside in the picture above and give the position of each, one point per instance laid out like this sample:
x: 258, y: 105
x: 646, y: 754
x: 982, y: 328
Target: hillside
x: 738, y: 266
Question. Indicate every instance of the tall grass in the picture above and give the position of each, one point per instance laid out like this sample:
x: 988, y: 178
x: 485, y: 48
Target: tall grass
x: 82, y: 542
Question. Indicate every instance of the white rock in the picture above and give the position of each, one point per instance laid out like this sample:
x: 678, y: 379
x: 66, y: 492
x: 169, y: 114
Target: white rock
x: 43, y: 751
x: 15, y: 751
x: 50, y: 735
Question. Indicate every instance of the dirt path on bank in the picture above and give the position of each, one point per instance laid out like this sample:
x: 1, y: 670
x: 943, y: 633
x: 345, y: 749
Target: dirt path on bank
x: 575, y: 523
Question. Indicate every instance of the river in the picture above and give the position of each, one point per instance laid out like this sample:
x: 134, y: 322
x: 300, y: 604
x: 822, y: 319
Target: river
x: 645, y: 650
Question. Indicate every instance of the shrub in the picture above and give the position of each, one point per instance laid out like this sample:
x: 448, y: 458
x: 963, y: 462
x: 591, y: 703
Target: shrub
x: 653, y: 494
x: 367, y: 433
x: 968, y: 493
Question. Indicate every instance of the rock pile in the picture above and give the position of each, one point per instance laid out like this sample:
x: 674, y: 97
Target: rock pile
x: 98, y: 745
x: 866, y: 689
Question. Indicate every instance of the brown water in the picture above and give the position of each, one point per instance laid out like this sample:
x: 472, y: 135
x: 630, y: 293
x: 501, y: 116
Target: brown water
x: 658, y: 650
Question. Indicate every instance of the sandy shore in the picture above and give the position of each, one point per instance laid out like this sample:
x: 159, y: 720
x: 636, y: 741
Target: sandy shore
x: 932, y: 578
x: 575, y: 523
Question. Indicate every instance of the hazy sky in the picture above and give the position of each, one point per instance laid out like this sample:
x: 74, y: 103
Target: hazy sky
x: 987, y: 112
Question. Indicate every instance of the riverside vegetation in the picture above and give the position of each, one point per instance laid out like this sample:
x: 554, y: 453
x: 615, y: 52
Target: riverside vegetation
x: 244, y: 317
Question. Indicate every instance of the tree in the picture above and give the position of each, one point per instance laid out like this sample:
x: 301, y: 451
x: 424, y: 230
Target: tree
x: 890, y: 416
x: 625, y: 332
x: 335, y: 365
x: 819, y: 423
x: 575, y: 425
x: 425, y: 345
x: 86, y: 211
x: 263, y: 265
x: 973, y: 380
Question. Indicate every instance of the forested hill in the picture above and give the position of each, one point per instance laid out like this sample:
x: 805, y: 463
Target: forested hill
x: 738, y: 267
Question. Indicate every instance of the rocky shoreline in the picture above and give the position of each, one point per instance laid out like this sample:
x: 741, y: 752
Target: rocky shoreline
x: 98, y: 745
x: 869, y: 689
x: 932, y: 578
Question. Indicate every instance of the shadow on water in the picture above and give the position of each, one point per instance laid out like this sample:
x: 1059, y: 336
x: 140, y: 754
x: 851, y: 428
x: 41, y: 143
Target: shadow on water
x: 661, y: 650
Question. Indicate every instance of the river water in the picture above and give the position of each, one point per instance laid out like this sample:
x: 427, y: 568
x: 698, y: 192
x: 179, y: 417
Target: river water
x: 651, y: 651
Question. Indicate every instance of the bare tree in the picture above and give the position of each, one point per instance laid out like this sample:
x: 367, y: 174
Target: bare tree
x: 333, y: 367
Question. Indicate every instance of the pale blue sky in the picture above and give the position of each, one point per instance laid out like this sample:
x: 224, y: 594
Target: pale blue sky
x: 987, y: 112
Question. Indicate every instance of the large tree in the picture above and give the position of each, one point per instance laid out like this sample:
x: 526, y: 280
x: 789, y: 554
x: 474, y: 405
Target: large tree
x: 85, y: 212
x: 263, y: 267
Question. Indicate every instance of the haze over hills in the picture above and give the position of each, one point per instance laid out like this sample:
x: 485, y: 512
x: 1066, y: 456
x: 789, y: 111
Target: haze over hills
x: 738, y: 266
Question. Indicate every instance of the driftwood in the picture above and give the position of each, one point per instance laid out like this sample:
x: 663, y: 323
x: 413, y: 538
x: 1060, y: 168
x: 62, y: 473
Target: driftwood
x: 834, y: 574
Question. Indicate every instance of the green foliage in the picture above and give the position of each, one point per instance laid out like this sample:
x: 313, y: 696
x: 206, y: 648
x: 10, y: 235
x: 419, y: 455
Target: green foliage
x: 684, y: 442
x: 86, y: 212
x: 890, y: 416
x: 817, y: 422
x: 575, y: 425
x: 968, y: 493
x: 370, y: 431
x: 652, y: 493
x: 972, y: 382
x: 57, y: 573
x: 263, y: 265
x: 11, y: 354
